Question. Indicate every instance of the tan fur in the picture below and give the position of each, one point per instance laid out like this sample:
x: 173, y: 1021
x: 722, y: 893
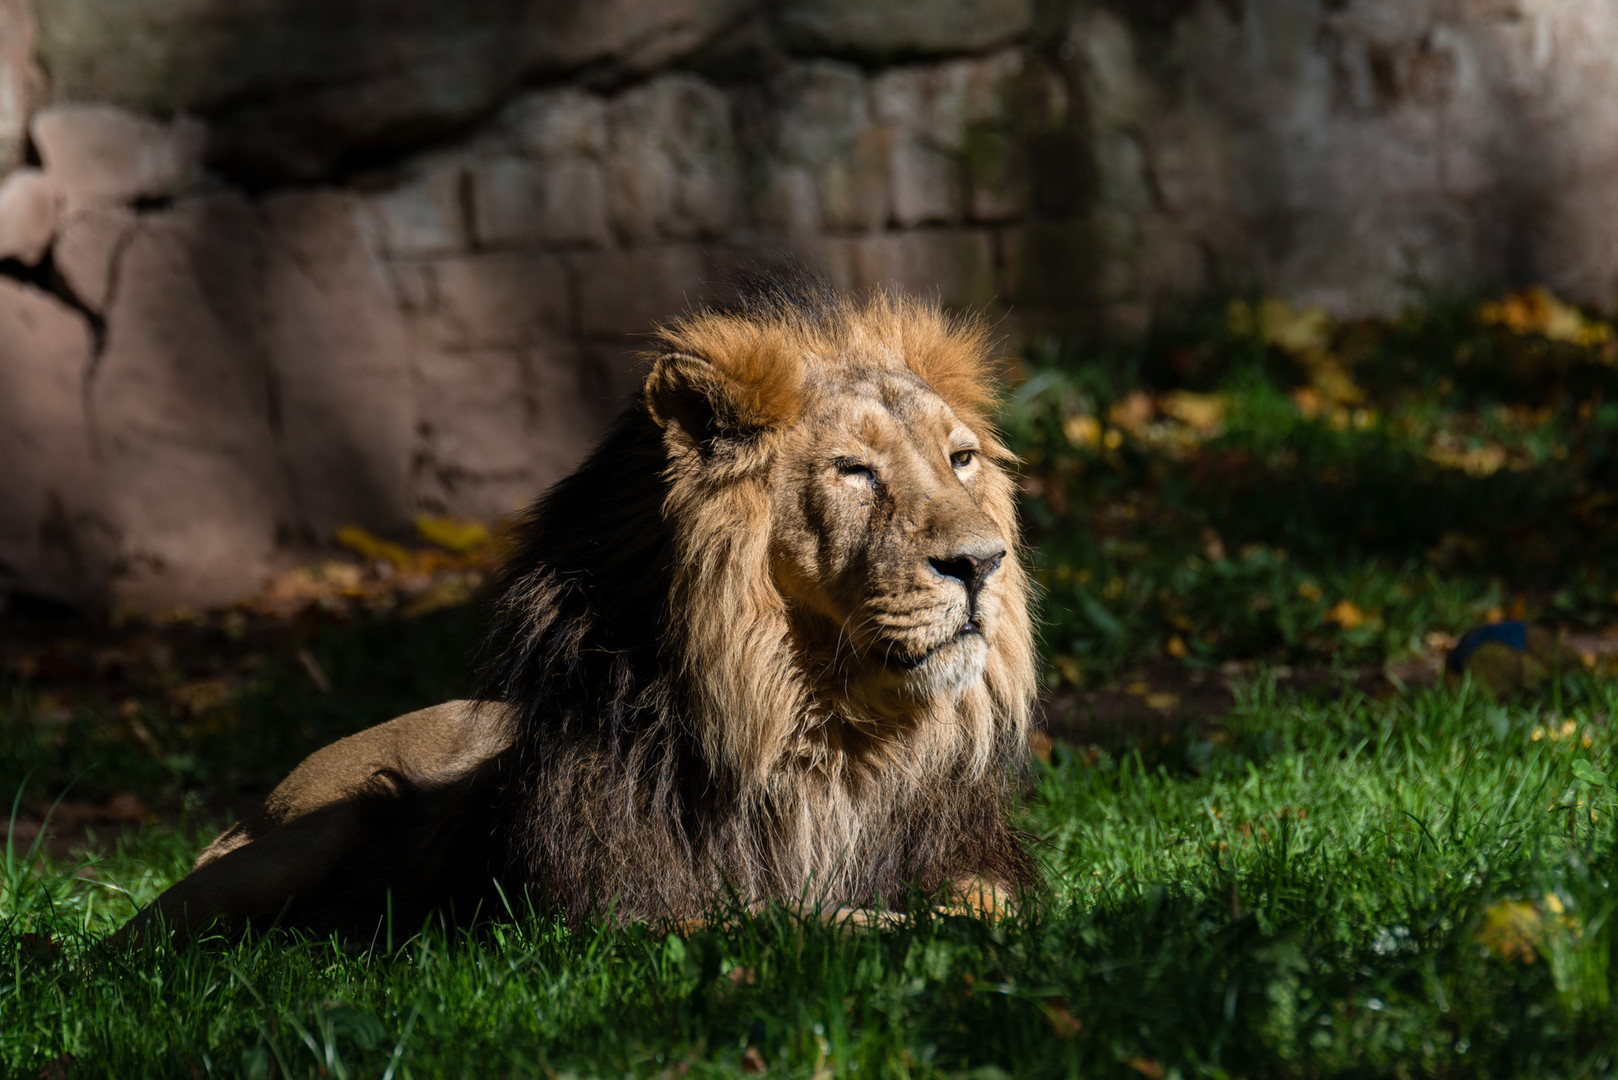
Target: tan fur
x: 742, y: 652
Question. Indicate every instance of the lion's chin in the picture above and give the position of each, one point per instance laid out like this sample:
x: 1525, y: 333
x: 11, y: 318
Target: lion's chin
x: 946, y: 669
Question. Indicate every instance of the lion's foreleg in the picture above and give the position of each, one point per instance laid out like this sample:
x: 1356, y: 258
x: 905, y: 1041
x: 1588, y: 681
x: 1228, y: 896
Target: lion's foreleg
x: 252, y: 881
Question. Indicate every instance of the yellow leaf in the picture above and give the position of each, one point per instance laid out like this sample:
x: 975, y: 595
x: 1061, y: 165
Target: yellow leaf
x: 1205, y: 412
x: 1295, y: 330
x: 1132, y: 412
x: 1309, y: 590
x: 1162, y: 702
x: 1175, y: 647
x: 1511, y: 930
x: 1346, y: 614
x: 1082, y: 431
x: 1522, y: 929
x: 460, y: 537
x: 1333, y: 380
x: 1308, y: 400
x: 1539, y: 311
x: 372, y: 548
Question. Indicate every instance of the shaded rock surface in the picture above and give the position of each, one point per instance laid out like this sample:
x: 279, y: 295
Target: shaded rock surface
x: 270, y: 269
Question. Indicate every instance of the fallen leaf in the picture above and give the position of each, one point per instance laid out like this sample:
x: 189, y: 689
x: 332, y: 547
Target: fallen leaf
x: 1082, y: 432
x: 1150, y: 1068
x: 461, y: 537
x: 1539, y: 311
x: 1131, y: 412
x: 1513, y: 930
x: 1040, y: 744
x: 1163, y: 701
x: 1204, y: 412
x: 372, y: 548
x: 752, y: 1061
x: 1346, y: 614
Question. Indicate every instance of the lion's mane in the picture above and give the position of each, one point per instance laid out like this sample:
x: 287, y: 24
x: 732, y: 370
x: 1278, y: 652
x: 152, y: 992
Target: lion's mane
x: 661, y: 712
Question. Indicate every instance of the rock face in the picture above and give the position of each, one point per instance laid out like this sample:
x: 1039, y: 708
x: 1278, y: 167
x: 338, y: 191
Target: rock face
x: 322, y: 262
x: 27, y: 216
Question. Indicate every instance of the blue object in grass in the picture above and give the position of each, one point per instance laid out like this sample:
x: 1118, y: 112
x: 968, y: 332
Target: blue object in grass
x: 1513, y: 635
x: 1508, y: 657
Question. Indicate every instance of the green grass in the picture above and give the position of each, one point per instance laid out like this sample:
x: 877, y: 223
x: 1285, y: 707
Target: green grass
x: 1308, y: 893
x: 1418, y: 886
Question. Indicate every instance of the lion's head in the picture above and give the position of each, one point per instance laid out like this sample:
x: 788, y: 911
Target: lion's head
x: 778, y: 622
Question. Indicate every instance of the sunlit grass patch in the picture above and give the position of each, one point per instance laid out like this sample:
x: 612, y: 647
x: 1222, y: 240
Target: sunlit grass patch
x: 1414, y: 887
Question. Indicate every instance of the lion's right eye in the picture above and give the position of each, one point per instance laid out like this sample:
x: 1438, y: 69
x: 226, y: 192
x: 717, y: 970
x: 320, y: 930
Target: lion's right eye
x: 854, y: 467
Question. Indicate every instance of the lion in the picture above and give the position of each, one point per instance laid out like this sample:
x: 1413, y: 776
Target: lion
x: 769, y: 643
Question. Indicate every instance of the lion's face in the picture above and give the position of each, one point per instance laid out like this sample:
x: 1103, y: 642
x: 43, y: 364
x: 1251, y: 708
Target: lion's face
x: 881, y: 543
x: 845, y: 538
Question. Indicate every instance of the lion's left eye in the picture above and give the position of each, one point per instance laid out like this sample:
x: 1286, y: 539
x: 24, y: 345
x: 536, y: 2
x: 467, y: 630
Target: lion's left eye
x: 962, y: 458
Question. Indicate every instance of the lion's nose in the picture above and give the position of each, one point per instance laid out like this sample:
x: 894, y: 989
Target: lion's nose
x: 970, y: 568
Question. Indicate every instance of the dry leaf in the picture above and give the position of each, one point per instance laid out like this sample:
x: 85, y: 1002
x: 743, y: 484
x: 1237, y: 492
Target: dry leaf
x: 461, y: 537
x: 372, y: 548
x: 1082, y: 432
x: 1346, y: 614
x: 1205, y: 412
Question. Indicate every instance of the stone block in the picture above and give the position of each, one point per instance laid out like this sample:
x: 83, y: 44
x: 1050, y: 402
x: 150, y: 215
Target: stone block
x: 87, y: 251
x: 339, y: 351
x: 501, y: 425
x: 476, y: 415
x: 821, y: 107
x: 788, y: 201
x: 555, y: 203
x: 823, y: 127
x: 558, y: 123
x: 903, y: 27
x: 54, y: 540
x: 672, y: 164
x: 422, y: 216
x: 20, y: 79
x: 100, y: 154
x: 492, y: 299
x: 310, y: 85
x: 27, y: 216
x: 954, y: 265
x: 182, y: 409
x: 996, y: 176
x: 638, y: 35
x: 929, y: 185
x: 629, y: 292
x: 857, y: 188
x: 951, y: 127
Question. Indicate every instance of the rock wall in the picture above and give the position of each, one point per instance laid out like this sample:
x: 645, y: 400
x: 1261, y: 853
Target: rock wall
x: 271, y: 268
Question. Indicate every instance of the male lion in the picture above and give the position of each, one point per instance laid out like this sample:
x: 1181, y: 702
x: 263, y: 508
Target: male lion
x: 770, y: 642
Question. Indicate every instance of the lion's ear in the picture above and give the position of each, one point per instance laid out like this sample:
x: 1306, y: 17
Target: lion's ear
x: 728, y: 396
